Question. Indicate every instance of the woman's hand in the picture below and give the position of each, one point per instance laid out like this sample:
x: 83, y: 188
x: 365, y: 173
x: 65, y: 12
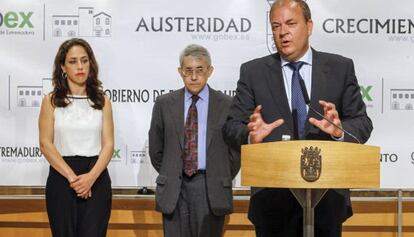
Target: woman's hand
x: 83, y: 184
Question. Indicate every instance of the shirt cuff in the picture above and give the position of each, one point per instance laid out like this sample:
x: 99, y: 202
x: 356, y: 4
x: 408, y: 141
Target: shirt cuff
x: 339, y: 139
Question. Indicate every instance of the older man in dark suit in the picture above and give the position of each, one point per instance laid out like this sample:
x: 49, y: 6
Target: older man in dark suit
x: 269, y: 104
x: 186, y: 146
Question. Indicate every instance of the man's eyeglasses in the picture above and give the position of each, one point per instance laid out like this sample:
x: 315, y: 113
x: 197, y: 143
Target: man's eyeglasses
x: 199, y: 71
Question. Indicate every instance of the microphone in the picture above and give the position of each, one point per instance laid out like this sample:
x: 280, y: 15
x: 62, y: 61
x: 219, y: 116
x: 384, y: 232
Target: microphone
x: 307, y: 102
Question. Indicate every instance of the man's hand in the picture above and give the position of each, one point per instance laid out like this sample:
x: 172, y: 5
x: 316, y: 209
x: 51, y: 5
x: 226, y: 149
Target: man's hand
x: 258, y: 128
x: 330, y: 112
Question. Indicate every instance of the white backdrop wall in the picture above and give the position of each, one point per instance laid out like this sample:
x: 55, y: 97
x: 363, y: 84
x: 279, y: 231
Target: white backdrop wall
x: 137, y: 44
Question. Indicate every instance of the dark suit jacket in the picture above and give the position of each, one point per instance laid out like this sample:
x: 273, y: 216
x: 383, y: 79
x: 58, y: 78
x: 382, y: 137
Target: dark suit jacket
x: 166, y: 147
x: 261, y: 83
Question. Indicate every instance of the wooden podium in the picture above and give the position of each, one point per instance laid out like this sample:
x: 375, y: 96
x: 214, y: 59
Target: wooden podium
x: 309, y: 168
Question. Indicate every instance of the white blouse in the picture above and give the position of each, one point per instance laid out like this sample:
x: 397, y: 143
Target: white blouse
x: 78, y: 128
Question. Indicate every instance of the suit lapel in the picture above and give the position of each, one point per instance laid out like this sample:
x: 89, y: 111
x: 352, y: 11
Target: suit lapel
x: 177, y: 114
x: 320, y: 71
x: 277, y: 89
x: 214, y: 112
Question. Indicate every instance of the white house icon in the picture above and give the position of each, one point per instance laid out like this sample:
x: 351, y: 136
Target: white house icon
x: 402, y: 99
x: 29, y: 96
x: 85, y: 24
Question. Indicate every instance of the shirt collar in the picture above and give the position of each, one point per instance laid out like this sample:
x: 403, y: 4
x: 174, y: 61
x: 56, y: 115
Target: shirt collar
x: 307, y: 58
x: 203, y: 94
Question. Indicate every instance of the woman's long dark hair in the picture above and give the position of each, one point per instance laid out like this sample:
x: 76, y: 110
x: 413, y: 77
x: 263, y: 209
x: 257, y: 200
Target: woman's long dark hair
x: 94, y: 89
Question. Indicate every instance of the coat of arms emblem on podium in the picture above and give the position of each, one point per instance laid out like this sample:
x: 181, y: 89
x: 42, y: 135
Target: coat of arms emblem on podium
x: 311, y: 163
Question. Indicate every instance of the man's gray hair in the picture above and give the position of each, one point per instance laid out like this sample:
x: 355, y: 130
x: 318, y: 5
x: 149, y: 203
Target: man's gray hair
x: 303, y: 5
x: 196, y: 51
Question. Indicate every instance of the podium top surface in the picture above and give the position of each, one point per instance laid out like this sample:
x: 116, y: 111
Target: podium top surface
x: 287, y: 164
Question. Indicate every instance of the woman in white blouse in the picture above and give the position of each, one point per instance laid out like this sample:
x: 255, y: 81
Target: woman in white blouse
x: 76, y: 136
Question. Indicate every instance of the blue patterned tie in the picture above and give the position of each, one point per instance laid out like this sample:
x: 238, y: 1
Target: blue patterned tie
x: 191, y: 139
x: 298, y: 102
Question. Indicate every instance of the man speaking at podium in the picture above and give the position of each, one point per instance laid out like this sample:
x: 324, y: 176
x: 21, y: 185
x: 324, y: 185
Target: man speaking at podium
x: 271, y: 103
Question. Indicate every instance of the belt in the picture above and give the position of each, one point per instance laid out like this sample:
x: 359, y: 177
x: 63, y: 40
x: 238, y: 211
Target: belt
x: 80, y: 157
x: 201, y: 172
